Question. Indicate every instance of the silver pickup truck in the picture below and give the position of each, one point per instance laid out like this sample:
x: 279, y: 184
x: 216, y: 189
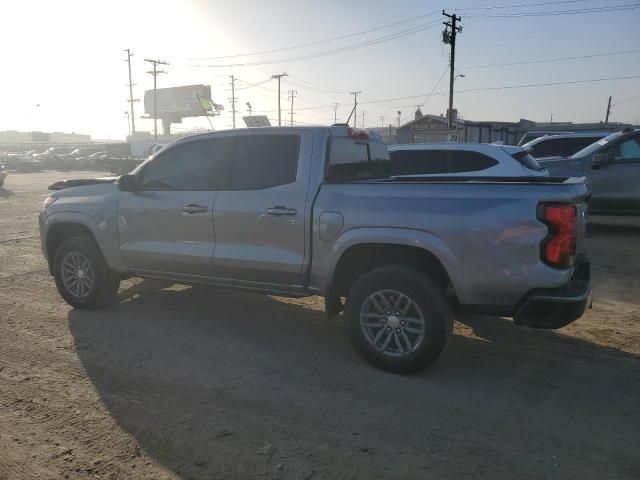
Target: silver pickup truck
x: 313, y: 211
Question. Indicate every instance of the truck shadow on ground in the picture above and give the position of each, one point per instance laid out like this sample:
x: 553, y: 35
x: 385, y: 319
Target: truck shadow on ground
x: 201, y: 377
x: 4, y: 193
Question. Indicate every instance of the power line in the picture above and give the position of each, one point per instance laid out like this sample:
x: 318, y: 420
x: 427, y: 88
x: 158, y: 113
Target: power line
x: 386, y: 38
x: 506, y: 87
x: 578, y: 11
x: 251, y: 85
x: 503, y: 87
x: 381, y: 27
x: 435, y: 86
x: 626, y: 100
x: 558, y: 59
x: 317, y: 86
x: 522, y: 5
x: 319, y: 42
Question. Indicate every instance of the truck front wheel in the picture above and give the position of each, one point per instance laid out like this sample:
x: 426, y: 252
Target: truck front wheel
x: 82, y: 276
x: 398, y: 319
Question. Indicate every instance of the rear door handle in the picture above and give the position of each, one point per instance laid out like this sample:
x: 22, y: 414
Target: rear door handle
x: 280, y: 210
x: 194, y: 208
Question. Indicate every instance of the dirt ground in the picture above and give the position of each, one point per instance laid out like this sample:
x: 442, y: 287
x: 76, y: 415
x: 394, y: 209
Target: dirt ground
x: 199, y: 383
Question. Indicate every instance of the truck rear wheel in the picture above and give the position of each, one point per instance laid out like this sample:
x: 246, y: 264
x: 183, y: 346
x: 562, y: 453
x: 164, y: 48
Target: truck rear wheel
x: 82, y: 276
x: 398, y: 319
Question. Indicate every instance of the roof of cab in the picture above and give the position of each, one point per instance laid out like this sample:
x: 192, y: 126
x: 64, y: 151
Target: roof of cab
x: 334, y: 130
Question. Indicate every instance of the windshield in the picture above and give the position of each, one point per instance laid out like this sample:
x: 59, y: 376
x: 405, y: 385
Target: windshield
x: 594, y: 147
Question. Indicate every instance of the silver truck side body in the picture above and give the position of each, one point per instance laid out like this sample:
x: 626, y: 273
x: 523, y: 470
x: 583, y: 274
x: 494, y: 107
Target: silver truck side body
x: 288, y: 239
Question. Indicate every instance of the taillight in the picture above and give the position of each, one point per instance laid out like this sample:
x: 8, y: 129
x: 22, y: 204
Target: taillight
x: 559, y: 247
x: 358, y: 133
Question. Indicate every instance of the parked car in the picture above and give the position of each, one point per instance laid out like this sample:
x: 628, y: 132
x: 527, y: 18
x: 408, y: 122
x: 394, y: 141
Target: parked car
x: 3, y: 174
x: 53, y: 152
x: 463, y: 159
x: 528, y: 136
x: 314, y: 211
x: 562, y: 145
x: 612, y: 169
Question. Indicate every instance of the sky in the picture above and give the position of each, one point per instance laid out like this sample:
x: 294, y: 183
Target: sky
x: 64, y: 63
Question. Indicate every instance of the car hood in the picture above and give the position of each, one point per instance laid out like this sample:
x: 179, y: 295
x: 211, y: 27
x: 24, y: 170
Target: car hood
x: 80, y: 182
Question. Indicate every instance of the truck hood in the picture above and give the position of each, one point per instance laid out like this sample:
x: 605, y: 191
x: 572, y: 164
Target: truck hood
x: 80, y: 182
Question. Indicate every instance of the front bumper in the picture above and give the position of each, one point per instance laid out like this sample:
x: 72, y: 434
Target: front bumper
x: 554, y: 308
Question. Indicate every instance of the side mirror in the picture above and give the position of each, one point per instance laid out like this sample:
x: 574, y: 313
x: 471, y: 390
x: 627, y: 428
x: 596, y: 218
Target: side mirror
x: 600, y: 159
x: 127, y: 183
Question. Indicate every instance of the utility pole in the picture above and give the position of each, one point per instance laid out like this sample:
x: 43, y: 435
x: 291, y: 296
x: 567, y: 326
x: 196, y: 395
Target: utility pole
x: 382, y: 120
x: 131, y: 99
x: 249, y: 107
x: 292, y: 95
x: 606, y: 119
x: 278, y: 77
x: 399, y: 113
x: 233, y: 99
x: 155, y: 72
x: 355, y: 107
x: 128, y: 121
x: 362, y: 125
x: 335, y: 113
x: 449, y: 36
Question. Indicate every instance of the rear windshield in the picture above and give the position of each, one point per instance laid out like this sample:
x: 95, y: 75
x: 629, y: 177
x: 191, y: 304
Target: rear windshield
x: 356, y: 159
x: 527, y: 161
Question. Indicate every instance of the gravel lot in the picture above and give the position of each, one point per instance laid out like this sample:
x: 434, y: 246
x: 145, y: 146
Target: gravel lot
x: 199, y: 383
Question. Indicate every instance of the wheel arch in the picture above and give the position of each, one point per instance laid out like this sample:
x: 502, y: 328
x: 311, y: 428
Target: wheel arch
x: 359, y: 251
x: 60, y: 226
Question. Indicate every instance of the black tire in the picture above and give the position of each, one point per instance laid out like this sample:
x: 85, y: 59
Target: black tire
x: 105, y: 283
x: 426, y: 295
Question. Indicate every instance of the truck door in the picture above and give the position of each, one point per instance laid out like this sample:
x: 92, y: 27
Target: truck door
x: 167, y: 224
x: 616, y: 186
x: 260, y: 219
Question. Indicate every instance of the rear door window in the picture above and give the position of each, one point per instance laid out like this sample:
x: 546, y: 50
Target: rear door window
x: 354, y: 159
x: 468, y: 161
x: 550, y: 148
x: 417, y: 162
x: 264, y: 161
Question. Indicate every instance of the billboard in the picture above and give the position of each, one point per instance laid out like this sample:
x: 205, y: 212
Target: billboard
x: 257, y: 121
x: 177, y: 102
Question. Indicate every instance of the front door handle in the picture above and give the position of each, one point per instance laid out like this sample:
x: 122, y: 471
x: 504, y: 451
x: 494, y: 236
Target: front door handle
x: 194, y: 208
x: 280, y: 210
